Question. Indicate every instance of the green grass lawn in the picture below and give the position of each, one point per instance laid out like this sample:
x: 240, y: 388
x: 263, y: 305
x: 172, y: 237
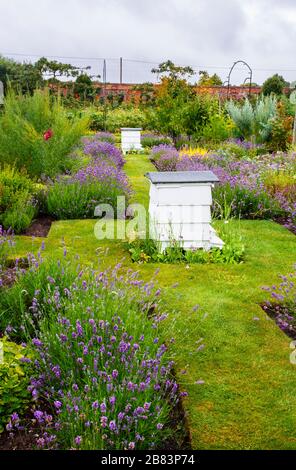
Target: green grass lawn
x: 248, y: 400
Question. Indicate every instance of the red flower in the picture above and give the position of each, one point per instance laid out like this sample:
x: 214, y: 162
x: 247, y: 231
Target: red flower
x: 48, y: 134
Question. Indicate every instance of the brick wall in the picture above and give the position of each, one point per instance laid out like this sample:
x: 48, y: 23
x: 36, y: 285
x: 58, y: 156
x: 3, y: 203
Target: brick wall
x: 130, y: 94
x: 235, y: 92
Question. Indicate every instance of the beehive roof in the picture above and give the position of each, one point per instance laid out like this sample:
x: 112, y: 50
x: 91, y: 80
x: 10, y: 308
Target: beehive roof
x: 166, y: 177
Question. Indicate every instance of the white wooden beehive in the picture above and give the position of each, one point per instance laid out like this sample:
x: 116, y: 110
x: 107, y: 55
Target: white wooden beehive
x: 130, y: 139
x: 180, y: 209
x: 1, y: 93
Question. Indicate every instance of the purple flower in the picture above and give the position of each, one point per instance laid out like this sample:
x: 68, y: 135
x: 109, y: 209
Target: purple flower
x: 112, y: 426
x: 39, y: 416
x: 104, y: 421
x: 115, y: 374
x: 14, y: 418
x: 103, y: 407
x: 78, y: 440
x: 57, y: 404
x: 36, y: 342
x: 112, y: 400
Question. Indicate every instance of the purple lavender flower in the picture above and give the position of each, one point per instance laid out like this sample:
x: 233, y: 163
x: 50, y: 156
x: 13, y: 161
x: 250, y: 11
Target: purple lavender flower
x: 78, y: 440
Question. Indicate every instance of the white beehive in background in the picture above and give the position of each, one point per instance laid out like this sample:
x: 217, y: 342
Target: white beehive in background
x: 180, y: 209
x: 1, y: 93
x: 130, y: 139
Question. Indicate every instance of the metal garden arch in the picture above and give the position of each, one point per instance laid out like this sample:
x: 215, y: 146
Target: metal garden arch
x: 248, y: 78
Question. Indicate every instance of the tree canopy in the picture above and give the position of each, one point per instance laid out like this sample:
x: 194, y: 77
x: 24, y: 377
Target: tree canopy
x: 23, y: 77
x: 274, y: 84
x: 54, y: 69
x: 209, y: 80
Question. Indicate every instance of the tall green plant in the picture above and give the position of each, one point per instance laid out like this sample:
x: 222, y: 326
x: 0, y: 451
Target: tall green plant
x: 35, y: 133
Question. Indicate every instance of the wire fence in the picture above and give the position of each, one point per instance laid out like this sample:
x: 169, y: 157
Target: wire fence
x: 122, y: 70
x: 137, y: 71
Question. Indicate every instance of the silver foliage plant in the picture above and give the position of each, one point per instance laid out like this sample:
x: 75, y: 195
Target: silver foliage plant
x: 254, y: 122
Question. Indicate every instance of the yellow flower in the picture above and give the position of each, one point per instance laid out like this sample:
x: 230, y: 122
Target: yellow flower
x: 194, y: 151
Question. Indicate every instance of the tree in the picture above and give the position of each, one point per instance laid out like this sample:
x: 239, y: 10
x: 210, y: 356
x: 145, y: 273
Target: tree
x: 274, y: 84
x: 85, y: 88
x: 178, y: 110
x: 173, y: 71
x: 208, y: 80
x: 173, y: 93
x: 22, y: 77
x: 247, y: 84
x: 55, y: 69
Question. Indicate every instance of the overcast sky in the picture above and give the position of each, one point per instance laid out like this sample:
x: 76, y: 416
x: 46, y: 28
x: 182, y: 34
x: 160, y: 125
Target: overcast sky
x: 207, y: 34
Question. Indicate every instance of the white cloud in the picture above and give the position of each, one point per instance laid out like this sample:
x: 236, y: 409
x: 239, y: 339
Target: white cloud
x: 197, y: 32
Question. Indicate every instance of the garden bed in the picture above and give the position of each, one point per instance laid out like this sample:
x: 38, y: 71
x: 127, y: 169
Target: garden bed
x: 40, y: 227
x: 281, y: 316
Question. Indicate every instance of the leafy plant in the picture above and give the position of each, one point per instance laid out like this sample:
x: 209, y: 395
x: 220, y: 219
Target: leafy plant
x: 217, y: 129
x: 14, y: 381
x: 149, y: 251
x: 18, y: 199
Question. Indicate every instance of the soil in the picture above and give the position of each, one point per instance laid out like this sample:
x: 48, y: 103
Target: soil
x: 40, y: 227
x: 283, y: 221
x: 8, y: 277
x: 20, y: 441
x: 273, y: 311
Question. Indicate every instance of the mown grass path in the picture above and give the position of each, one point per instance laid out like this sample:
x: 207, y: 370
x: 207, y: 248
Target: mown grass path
x: 248, y: 400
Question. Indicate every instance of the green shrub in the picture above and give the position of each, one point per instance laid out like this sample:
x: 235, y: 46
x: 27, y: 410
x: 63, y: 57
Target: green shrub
x: 217, y: 129
x: 18, y: 199
x: 117, y: 118
x: 35, y: 133
x: 14, y: 396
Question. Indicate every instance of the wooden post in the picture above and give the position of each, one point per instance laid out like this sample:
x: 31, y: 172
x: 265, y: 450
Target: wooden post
x: 120, y: 77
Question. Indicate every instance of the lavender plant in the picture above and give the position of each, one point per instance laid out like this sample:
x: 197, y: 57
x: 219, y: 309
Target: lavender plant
x: 101, y: 150
x: 105, y: 137
x: 101, y: 181
x: 149, y: 139
x: 243, y: 189
x: 102, y: 377
x: 282, y: 305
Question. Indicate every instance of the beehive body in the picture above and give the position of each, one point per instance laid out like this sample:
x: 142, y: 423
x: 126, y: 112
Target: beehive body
x: 130, y: 139
x: 181, y: 211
